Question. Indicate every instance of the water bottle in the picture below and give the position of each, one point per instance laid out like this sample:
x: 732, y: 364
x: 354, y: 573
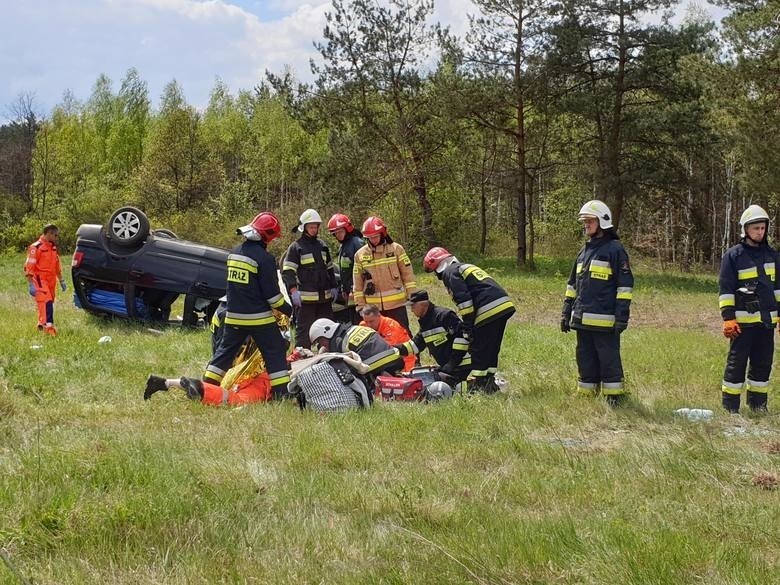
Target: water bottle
x: 694, y: 413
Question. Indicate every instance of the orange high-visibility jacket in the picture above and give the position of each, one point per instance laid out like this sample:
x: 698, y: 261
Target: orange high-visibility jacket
x: 394, y: 333
x: 43, y: 260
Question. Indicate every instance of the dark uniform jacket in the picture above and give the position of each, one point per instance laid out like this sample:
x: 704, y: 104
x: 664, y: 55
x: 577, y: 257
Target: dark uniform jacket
x: 308, y: 266
x: 600, y: 286
x: 750, y: 285
x: 478, y: 298
x: 253, y: 287
x: 375, y: 352
x: 441, y: 331
x: 346, y: 261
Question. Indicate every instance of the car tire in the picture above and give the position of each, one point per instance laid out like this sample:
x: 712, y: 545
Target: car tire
x: 164, y: 233
x: 128, y: 226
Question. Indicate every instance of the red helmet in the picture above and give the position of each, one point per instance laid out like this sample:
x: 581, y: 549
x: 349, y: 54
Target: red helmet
x: 374, y: 226
x: 338, y: 221
x: 434, y: 257
x: 266, y: 225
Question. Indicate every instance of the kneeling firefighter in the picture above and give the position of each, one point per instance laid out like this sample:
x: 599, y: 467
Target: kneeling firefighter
x: 749, y: 294
x: 597, y: 304
x: 375, y: 352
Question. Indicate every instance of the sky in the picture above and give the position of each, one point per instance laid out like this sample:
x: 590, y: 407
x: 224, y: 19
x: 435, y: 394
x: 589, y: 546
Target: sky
x: 49, y: 46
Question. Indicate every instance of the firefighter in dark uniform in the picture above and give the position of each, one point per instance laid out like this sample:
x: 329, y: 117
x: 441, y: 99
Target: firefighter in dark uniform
x: 252, y: 293
x: 442, y: 333
x: 374, y: 351
x: 308, y: 274
x: 350, y: 241
x: 749, y: 295
x: 597, y: 303
x: 484, y: 307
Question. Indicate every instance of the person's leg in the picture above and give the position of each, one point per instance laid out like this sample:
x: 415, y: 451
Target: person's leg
x: 607, y: 347
x: 491, y: 335
x: 734, y: 374
x: 587, y: 363
x: 232, y: 339
x: 271, y: 345
x: 307, y: 314
x: 761, y: 354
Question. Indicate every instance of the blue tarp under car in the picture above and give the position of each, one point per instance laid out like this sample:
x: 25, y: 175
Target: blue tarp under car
x: 111, y: 301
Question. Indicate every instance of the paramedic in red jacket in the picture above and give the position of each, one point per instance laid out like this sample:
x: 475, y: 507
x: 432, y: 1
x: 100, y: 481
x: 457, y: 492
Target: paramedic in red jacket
x: 43, y: 270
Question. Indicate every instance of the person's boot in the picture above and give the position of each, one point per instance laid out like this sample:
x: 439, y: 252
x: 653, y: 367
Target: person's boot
x: 489, y: 386
x: 731, y: 402
x: 616, y: 400
x: 154, y: 384
x: 757, y: 401
x: 51, y: 329
x: 193, y: 387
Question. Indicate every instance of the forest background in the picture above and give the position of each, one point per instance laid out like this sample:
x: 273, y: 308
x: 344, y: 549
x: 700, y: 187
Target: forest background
x: 487, y: 143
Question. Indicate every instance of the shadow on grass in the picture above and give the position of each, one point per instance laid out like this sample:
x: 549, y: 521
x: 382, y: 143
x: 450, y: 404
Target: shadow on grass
x: 110, y: 323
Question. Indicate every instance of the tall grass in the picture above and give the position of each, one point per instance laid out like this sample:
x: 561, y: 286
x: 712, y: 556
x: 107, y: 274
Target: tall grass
x: 533, y: 485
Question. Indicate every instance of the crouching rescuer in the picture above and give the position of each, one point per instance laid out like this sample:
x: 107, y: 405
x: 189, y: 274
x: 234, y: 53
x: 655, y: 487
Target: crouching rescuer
x: 749, y: 296
x: 597, y: 304
x: 485, y: 309
x: 252, y: 294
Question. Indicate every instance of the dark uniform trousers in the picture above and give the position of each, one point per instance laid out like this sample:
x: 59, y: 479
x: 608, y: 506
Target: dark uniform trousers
x: 756, y: 344
x: 305, y: 316
x: 484, y: 347
x: 598, y: 361
x: 271, y: 345
x: 348, y: 315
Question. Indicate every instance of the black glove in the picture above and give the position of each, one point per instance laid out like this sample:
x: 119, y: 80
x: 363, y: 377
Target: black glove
x: 446, y: 377
x: 565, y: 327
x: 401, y: 349
x: 620, y: 326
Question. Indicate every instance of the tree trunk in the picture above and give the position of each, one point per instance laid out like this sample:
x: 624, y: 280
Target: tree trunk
x: 615, y: 193
x: 421, y: 189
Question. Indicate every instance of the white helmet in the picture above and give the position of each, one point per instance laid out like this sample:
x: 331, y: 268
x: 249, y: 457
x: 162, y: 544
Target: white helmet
x: 752, y: 214
x: 322, y: 328
x: 308, y: 216
x: 438, y: 391
x: 599, y: 210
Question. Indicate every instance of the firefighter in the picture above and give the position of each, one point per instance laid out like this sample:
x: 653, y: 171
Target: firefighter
x: 309, y: 276
x: 42, y: 270
x: 597, y: 303
x: 442, y: 333
x: 374, y: 351
x: 252, y: 294
x: 390, y: 330
x: 350, y: 241
x: 749, y: 294
x: 383, y: 274
x: 484, y: 307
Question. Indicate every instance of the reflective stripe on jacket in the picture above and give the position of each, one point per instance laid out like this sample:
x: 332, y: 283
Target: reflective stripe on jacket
x: 382, y: 276
x: 375, y: 352
x: 600, y: 286
x: 749, y: 285
x: 478, y: 298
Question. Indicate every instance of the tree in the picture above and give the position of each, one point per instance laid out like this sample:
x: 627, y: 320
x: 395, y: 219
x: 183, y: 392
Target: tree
x: 371, y: 88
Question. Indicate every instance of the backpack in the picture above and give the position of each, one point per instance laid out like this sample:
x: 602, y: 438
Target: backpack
x: 330, y: 386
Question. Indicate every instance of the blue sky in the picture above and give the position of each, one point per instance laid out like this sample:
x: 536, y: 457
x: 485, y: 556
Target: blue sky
x: 49, y: 46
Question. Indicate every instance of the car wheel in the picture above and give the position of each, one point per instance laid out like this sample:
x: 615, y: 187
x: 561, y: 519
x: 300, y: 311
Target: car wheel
x: 128, y: 226
x: 163, y: 233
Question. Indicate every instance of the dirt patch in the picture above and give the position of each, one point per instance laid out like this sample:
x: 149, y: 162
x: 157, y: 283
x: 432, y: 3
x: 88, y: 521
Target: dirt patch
x: 764, y: 480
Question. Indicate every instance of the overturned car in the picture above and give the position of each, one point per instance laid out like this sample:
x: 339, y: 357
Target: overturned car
x: 126, y: 269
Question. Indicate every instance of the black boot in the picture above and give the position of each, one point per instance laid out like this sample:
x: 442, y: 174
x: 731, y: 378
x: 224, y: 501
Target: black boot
x: 193, y: 387
x: 154, y: 384
x: 616, y: 400
x: 489, y: 386
x: 731, y: 402
x: 757, y: 401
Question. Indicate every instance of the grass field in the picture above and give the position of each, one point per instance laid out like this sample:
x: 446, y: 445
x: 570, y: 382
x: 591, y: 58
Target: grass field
x: 534, y: 485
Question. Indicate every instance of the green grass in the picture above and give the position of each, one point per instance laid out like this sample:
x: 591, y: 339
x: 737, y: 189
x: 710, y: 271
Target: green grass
x: 534, y: 485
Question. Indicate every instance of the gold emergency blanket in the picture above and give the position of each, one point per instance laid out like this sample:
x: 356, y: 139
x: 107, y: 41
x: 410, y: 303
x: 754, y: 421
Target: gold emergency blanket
x: 249, y: 363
